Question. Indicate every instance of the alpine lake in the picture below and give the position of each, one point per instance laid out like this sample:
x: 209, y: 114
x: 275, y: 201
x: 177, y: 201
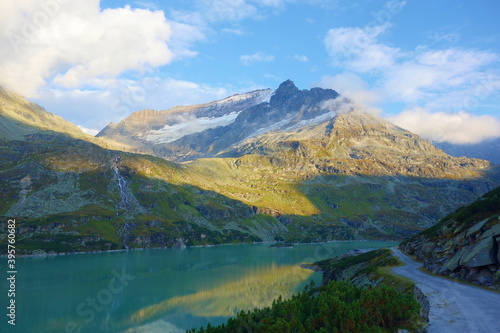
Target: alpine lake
x: 160, y: 290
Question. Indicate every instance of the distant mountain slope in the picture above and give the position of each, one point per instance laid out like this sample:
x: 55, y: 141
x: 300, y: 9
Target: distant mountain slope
x: 19, y: 117
x: 464, y: 244
x: 296, y: 170
x: 487, y: 150
x: 357, y: 143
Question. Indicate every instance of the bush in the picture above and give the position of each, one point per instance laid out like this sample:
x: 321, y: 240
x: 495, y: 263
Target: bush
x: 338, y: 307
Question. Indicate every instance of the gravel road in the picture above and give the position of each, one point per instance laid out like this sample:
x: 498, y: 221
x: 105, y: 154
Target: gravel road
x: 454, y: 306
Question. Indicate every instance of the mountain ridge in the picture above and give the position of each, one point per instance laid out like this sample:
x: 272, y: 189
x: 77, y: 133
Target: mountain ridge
x: 285, y: 102
x: 348, y: 177
x: 19, y: 117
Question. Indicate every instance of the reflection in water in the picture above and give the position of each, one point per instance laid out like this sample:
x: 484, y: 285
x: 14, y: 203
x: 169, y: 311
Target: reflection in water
x: 172, y: 289
x: 257, y: 289
x: 159, y: 326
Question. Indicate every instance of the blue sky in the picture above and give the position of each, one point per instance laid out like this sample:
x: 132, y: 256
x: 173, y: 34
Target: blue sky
x: 429, y: 66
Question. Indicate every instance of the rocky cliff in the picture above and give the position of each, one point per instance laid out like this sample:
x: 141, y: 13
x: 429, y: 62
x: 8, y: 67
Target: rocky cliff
x: 465, y: 244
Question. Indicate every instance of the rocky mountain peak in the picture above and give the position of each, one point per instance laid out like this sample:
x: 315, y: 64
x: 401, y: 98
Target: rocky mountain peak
x: 285, y: 90
x: 288, y: 96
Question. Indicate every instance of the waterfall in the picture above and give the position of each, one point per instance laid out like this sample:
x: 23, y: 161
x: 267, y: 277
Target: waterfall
x: 126, y: 201
x: 122, y: 186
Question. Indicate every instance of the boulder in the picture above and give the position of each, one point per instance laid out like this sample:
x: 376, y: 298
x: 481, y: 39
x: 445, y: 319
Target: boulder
x: 493, y: 231
x: 472, y: 274
x: 485, y: 277
x: 482, y: 254
x: 454, y: 261
x: 476, y: 227
x: 449, y: 245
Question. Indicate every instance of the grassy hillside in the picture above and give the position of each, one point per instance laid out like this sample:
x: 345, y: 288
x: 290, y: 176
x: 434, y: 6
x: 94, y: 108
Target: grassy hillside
x: 463, y: 218
x: 65, y: 194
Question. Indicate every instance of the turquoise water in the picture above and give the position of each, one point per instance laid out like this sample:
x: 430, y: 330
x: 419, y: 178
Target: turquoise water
x: 160, y: 290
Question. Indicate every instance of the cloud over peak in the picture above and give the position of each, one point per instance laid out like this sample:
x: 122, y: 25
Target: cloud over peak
x: 457, y: 128
x: 358, y: 48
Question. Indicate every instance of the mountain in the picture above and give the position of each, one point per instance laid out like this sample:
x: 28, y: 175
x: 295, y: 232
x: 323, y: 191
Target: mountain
x: 20, y: 118
x: 357, y: 143
x: 187, y: 133
x: 465, y: 244
x: 487, y: 150
x: 159, y: 132
x: 298, y: 165
x: 311, y: 131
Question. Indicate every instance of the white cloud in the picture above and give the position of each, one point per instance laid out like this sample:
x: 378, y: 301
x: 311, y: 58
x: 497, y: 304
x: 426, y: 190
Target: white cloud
x: 183, y: 37
x: 358, y: 48
x: 90, y: 131
x: 232, y: 31
x: 429, y: 80
x: 339, y: 105
x: 70, y: 42
x: 457, y: 128
x: 147, y: 4
x: 236, y: 10
x: 432, y: 72
x: 449, y: 37
x: 204, y: 13
x: 256, y: 57
x: 353, y: 87
x: 300, y: 57
x: 227, y: 10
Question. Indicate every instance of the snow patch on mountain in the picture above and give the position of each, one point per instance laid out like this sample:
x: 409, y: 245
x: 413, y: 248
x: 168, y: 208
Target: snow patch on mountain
x: 288, y: 124
x: 316, y: 120
x: 208, y: 116
x: 171, y: 133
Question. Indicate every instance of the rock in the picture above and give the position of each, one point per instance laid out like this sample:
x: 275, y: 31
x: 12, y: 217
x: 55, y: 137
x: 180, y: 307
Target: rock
x: 472, y: 274
x: 428, y: 247
x: 476, y: 227
x: 454, y: 261
x: 424, y: 303
x: 498, y: 248
x: 493, y: 231
x: 482, y: 254
x: 434, y: 269
x: 448, y: 245
x: 485, y: 277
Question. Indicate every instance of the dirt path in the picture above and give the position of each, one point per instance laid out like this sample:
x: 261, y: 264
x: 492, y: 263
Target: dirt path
x: 454, y: 307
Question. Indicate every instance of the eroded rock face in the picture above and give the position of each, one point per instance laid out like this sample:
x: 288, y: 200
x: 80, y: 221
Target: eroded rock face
x: 481, y: 254
x: 461, y: 248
